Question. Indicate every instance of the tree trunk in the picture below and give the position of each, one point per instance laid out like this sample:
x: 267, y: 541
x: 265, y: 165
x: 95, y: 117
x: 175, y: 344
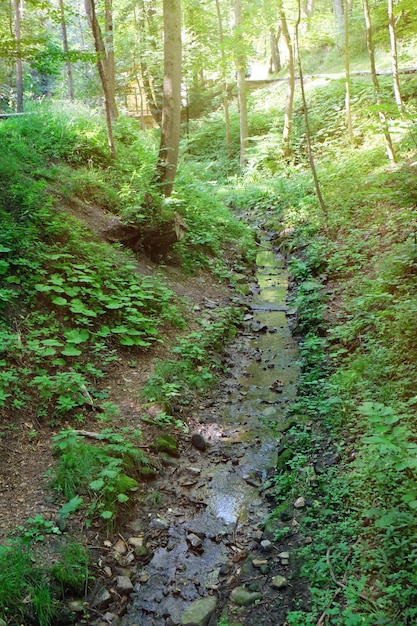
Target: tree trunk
x: 394, y: 56
x: 275, y: 61
x: 171, y: 105
x: 241, y: 85
x: 371, y: 53
x: 347, y: 76
x: 340, y: 23
x: 68, y: 66
x: 19, y: 70
x: 98, y: 44
x: 110, y: 67
x: 224, y: 81
x: 307, y: 125
x: 286, y: 135
x: 102, y: 64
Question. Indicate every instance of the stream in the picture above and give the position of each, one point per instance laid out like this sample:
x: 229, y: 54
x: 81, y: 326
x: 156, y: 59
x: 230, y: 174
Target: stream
x: 213, y: 501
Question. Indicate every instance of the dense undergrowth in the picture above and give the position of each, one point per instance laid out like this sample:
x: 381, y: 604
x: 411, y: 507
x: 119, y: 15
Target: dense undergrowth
x: 351, y: 447
x: 70, y: 305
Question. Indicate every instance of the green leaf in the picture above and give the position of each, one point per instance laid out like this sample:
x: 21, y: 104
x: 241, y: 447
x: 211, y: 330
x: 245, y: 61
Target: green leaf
x: 76, y: 335
x: 71, y: 350
x: 70, y: 507
x: 59, y: 300
x: 96, y: 485
x: 122, y: 497
x: 43, y: 288
x: 51, y: 342
x: 4, y: 266
x: 4, y: 248
x: 107, y: 514
x: 76, y: 306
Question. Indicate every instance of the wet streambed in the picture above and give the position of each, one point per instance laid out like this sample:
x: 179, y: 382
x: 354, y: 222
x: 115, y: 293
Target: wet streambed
x: 215, y: 504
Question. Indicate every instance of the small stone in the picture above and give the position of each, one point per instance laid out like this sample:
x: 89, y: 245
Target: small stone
x: 300, y: 503
x: 266, y: 545
x: 135, y: 541
x: 194, y: 540
x: 159, y: 524
x: 108, y: 571
x: 123, y: 584
x: 76, y: 606
x: 199, y: 442
x: 278, y: 582
x: 120, y: 547
x: 144, y: 577
x: 284, y: 555
x: 243, y: 597
x: 194, y: 471
x: 257, y: 534
x: 258, y: 563
x: 200, y: 612
x: 101, y: 600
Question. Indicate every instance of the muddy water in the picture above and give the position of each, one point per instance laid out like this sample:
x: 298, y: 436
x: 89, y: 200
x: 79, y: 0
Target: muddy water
x: 214, y: 503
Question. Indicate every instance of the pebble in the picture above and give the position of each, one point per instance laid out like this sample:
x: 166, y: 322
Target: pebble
x: 258, y: 563
x: 278, y: 582
x: 242, y: 597
x: 159, y: 524
x: 123, y: 584
x: 194, y: 540
x: 199, y: 442
x: 300, y: 503
x: 266, y: 545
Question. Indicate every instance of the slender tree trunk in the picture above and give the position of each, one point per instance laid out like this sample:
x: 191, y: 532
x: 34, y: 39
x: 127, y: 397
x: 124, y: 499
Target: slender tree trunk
x: 347, y: 75
x: 241, y: 85
x: 275, y: 61
x: 371, y: 53
x: 394, y: 56
x: 307, y: 125
x: 110, y: 67
x: 102, y: 64
x: 68, y: 66
x: 224, y: 81
x: 171, y: 106
x: 19, y: 70
x: 286, y: 135
x: 340, y: 24
x: 98, y: 41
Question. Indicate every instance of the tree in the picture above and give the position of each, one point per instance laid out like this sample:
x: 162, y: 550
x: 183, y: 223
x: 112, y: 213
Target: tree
x: 19, y: 67
x: 224, y: 79
x: 99, y: 47
x: 68, y: 66
x: 371, y: 53
x: 171, y: 104
x: 105, y: 69
x: 286, y: 135
x: 394, y: 56
x: 241, y: 84
x: 347, y: 75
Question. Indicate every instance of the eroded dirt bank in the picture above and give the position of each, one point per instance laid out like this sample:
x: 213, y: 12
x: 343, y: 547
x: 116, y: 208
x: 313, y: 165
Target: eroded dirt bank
x: 199, y: 548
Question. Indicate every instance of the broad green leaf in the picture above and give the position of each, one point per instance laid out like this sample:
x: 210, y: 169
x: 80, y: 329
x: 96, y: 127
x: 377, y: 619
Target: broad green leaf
x: 59, y: 300
x: 106, y: 515
x: 71, y: 350
x: 96, y: 485
x: 76, y: 335
x: 122, y: 497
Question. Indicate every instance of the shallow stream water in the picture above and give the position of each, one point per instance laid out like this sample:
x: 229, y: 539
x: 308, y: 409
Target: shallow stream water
x: 204, y: 530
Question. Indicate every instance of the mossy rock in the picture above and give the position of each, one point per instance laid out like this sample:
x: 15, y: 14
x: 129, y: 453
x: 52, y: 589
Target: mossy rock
x: 168, y: 444
x: 126, y: 483
x: 283, y: 458
x: 148, y: 472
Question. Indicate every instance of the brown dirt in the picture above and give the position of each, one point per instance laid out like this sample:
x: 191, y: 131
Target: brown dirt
x: 26, y: 445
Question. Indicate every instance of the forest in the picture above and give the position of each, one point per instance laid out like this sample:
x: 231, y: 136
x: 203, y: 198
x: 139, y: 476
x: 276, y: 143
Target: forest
x: 172, y: 172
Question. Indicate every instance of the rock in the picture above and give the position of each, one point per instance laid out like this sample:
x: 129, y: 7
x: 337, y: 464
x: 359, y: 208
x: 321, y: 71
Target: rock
x: 300, y: 503
x: 199, y: 442
x: 120, y: 547
x: 123, y: 585
x: 258, y: 563
x: 76, y: 606
x: 194, y: 540
x: 243, y: 597
x: 284, y: 555
x: 167, y: 443
x: 266, y: 545
x: 135, y: 541
x: 194, y: 471
x: 101, y: 599
x: 159, y: 524
x: 278, y: 582
x: 200, y: 612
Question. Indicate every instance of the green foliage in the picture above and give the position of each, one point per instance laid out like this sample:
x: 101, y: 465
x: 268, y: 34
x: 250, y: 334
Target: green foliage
x: 72, y: 569
x: 196, y: 366
x: 24, y: 589
x: 100, y: 478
